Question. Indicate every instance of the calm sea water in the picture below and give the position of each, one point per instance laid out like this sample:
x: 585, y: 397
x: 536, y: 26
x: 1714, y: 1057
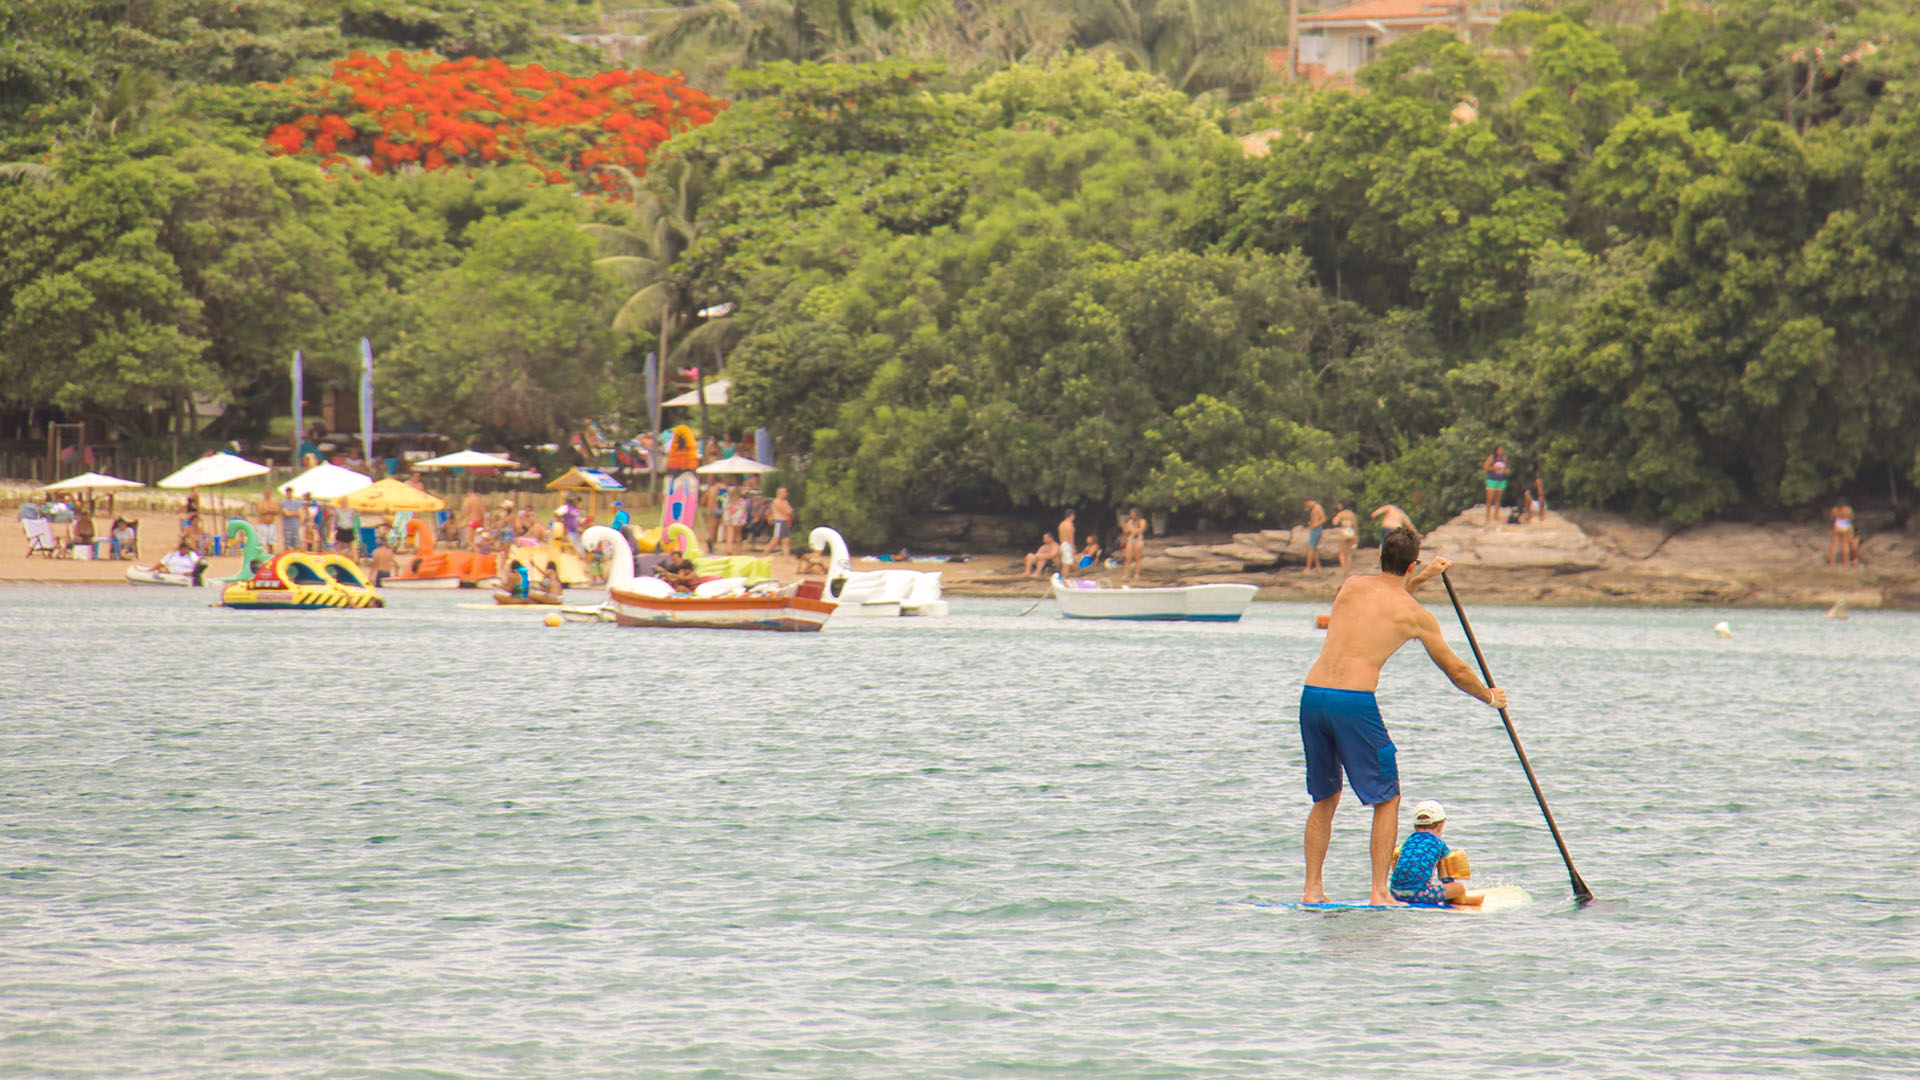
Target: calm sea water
x: 434, y: 842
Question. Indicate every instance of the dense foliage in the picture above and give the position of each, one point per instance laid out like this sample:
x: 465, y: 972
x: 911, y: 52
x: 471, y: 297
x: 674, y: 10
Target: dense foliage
x: 1019, y: 255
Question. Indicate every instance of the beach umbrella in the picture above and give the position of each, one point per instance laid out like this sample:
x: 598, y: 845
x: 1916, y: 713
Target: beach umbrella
x: 467, y: 459
x: 212, y: 471
x: 326, y: 483
x: 390, y: 496
x: 716, y: 395
x: 93, y: 481
x: 737, y: 465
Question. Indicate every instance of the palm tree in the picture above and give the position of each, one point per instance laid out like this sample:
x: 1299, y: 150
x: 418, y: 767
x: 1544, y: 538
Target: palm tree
x: 737, y: 33
x: 1197, y: 46
x: 662, y: 224
x: 971, y: 34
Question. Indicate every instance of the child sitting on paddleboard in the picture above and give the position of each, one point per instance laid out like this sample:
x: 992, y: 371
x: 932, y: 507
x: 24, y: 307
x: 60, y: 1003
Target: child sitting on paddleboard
x: 1422, y: 874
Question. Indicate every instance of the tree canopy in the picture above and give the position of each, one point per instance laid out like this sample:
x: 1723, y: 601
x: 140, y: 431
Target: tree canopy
x: 1002, y: 256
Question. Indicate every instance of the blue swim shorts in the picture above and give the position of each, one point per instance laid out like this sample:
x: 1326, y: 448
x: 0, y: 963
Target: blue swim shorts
x: 1343, y: 729
x: 1430, y: 893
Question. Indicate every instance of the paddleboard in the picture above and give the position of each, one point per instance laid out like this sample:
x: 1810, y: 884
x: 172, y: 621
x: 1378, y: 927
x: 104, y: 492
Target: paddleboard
x: 1496, y: 898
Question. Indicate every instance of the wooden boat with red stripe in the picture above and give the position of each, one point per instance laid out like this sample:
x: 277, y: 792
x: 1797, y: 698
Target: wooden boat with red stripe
x: 797, y: 611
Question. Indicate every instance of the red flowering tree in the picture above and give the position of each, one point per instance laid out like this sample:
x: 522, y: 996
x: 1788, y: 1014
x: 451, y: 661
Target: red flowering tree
x: 419, y: 110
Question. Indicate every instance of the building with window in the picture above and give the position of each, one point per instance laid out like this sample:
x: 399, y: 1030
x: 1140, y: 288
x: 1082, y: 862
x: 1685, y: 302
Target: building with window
x: 1339, y: 41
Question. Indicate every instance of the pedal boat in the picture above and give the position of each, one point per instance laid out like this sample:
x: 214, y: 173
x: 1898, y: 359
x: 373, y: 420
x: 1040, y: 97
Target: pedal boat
x: 304, y: 580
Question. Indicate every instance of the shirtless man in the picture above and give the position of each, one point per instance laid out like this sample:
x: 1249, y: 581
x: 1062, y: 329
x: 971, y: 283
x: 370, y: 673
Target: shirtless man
x: 382, y: 563
x: 1340, y: 724
x: 1392, y: 517
x: 1037, y: 560
x: 780, y: 514
x: 1316, y: 525
x: 472, y: 518
x: 1066, y: 545
x: 1846, y: 539
x: 1133, y: 544
x: 1347, y: 524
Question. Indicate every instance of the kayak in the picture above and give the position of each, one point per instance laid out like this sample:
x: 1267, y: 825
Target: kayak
x: 140, y: 575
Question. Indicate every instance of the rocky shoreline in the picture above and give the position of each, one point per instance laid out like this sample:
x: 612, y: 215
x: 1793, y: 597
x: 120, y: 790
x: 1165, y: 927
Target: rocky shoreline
x: 1572, y: 558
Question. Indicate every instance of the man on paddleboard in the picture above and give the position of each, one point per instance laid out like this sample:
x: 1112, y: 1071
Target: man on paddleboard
x: 1340, y: 724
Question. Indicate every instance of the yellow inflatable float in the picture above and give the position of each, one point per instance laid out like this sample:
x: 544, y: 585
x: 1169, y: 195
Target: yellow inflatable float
x: 302, y: 580
x: 648, y: 541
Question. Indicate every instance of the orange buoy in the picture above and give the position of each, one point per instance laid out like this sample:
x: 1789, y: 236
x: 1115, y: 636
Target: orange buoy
x: 1320, y: 621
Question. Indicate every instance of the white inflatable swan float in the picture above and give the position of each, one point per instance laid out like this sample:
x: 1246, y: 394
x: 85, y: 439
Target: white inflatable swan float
x: 875, y: 592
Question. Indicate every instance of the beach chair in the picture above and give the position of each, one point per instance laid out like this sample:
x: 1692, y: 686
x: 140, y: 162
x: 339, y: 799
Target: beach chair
x: 40, y: 539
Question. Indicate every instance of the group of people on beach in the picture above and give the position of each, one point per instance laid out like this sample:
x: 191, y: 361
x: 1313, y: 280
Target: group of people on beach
x: 72, y: 525
x: 1062, y: 551
x: 736, y: 514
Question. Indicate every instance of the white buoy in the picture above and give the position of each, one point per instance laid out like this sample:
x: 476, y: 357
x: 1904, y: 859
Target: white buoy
x: 1723, y: 628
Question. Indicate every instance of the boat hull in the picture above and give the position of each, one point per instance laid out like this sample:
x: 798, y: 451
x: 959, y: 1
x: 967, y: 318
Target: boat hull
x: 1199, y: 603
x: 789, y: 613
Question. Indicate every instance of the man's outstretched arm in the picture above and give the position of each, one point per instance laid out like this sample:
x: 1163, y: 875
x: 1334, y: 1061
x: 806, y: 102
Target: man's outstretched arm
x: 1427, y: 573
x: 1456, y: 669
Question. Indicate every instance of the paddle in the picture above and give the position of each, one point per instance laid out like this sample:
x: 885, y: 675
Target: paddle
x: 1581, y: 894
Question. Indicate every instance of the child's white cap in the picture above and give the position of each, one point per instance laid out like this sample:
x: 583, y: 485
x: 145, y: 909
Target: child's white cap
x: 1428, y: 812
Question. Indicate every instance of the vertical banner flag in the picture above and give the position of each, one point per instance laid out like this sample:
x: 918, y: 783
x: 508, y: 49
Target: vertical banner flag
x: 299, y: 410
x: 652, y: 374
x: 763, y: 446
x: 366, y: 398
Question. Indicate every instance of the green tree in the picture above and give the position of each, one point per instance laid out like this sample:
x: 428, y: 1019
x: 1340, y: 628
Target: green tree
x: 513, y: 341
x: 95, y: 315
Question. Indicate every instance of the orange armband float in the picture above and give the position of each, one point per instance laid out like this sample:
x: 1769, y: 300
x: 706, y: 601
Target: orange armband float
x: 1455, y: 865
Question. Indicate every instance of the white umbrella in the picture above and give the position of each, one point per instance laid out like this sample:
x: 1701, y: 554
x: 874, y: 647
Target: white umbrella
x: 212, y: 471
x: 93, y: 481
x: 325, y: 482
x: 716, y: 394
x: 467, y: 459
x: 737, y: 464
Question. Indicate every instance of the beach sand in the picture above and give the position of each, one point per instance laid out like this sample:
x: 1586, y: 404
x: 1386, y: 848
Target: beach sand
x: 1714, y: 565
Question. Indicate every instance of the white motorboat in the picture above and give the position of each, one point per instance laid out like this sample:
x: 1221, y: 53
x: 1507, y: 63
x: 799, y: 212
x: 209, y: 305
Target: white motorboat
x: 1224, y: 602
x: 875, y: 592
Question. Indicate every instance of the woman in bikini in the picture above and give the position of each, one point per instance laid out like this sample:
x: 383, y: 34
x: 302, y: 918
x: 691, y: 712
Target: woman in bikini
x: 1133, y: 543
x: 1496, y: 469
x: 1846, y: 539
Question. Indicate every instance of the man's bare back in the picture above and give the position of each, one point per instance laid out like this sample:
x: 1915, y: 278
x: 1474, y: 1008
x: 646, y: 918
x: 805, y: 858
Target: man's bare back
x: 1373, y: 615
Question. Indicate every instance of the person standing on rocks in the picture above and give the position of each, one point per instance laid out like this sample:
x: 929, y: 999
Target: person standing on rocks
x: 1340, y: 723
x: 1846, y: 538
x: 1065, y: 532
x: 1316, y: 525
x: 1496, y: 469
x: 1392, y: 517
x: 1348, y: 526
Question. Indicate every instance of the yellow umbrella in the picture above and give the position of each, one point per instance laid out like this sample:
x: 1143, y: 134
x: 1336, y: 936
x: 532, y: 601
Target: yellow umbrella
x: 390, y: 496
